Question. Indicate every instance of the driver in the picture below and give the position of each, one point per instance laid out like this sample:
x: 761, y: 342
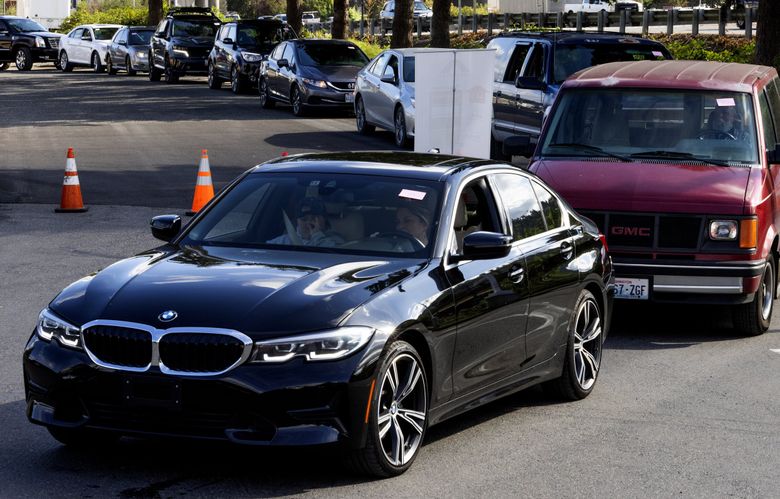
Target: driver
x: 313, y: 228
x: 725, y: 119
x: 414, y: 218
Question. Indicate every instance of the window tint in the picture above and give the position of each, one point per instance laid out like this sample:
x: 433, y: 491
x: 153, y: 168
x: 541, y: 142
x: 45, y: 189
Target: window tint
x: 379, y: 65
x: 288, y: 53
x: 105, y: 33
x: 551, y: 209
x: 86, y: 35
x: 194, y: 27
x: 77, y: 33
x: 516, y: 62
x: 525, y: 214
x: 409, y: 69
x: 534, y: 66
x: 232, y: 33
x: 391, y: 70
x: 569, y: 58
x: 140, y: 37
x: 773, y: 93
x: 331, y: 54
x: 161, y: 28
x: 766, y: 119
x: 277, y: 53
x: 3, y: 26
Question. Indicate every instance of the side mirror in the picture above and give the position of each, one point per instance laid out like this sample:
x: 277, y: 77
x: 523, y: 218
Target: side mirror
x: 485, y: 246
x: 773, y: 155
x: 283, y: 63
x: 388, y: 79
x: 228, y: 41
x: 530, y: 82
x: 122, y: 42
x: 518, y: 145
x: 166, y: 227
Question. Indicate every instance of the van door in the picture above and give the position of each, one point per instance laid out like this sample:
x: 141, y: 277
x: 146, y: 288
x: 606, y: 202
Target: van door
x: 530, y: 99
x: 504, y: 92
x: 5, y: 42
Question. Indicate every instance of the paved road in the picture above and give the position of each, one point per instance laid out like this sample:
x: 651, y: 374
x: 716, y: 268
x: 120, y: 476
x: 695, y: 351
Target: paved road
x: 682, y: 407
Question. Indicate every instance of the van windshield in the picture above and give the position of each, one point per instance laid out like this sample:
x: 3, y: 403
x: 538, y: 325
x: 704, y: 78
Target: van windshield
x: 570, y: 58
x: 637, y: 124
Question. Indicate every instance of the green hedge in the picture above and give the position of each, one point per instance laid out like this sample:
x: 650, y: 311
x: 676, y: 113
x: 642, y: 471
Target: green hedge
x: 709, y: 47
x: 120, y: 15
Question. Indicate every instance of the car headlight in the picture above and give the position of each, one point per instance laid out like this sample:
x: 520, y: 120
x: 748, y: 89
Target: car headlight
x: 412, y: 102
x: 723, y: 230
x: 325, y: 345
x: 50, y: 326
x: 40, y: 42
x: 140, y: 54
x: 252, y: 57
x: 181, y: 51
x: 315, y: 83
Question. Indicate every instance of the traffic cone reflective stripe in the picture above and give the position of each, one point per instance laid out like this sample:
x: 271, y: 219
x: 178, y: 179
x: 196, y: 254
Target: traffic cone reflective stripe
x: 204, y: 188
x: 71, y: 201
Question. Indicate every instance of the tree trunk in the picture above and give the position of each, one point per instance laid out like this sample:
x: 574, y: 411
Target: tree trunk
x: 338, y: 29
x: 294, y: 15
x: 440, y: 24
x: 155, y: 12
x: 768, y: 34
x: 402, y: 24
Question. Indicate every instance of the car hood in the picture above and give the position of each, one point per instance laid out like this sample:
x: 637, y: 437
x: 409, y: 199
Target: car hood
x: 650, y: 187
x: 333, y: 73
x: 259, y: 292
x: 193, y: 41
x: 42, y: 33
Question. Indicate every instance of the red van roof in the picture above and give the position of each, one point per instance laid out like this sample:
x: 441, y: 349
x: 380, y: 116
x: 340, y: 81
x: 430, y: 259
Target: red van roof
x: 672, y: 74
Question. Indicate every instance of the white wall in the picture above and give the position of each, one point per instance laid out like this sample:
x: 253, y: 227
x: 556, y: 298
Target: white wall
x: 50, y: 13
x: 532, y: 6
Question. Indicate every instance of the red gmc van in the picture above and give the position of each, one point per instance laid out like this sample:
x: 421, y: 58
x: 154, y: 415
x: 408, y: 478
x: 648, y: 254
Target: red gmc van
x: 678, y: 163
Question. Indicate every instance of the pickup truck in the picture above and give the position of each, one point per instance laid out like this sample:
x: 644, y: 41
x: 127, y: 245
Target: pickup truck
x: 601, y: 5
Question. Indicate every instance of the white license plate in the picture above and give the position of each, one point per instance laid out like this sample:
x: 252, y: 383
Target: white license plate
x: 632, y: 289
x: 349, y: 98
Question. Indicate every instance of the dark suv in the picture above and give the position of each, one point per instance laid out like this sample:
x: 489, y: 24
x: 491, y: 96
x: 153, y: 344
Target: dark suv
x: 530, y: 68
x: 25, y: 42
x: 239, y: 48
x: 181, y: 44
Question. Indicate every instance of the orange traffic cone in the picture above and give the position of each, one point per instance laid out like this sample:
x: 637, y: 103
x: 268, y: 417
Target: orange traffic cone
x: 204, y: 189
x: 71, y: 189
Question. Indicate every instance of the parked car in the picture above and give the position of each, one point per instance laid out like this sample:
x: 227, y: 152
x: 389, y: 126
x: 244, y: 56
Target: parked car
x: 87, y: 45
x: 420, y: 10
x: 281, y: 17
x: 129, y: 50
x: 384, y: 95
x: 530, y: 68
x: 26, y: 42
x: 346, y: 298
x: 679, y: 165
x: 239, y: 48
x: 181, y: 43
x: 310, y: 73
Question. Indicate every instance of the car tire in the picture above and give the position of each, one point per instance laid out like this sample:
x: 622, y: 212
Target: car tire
x: 400, y: 134
x: 214, y: 81
x: 362, y: 125
x: 169, y: 75
x: 82, y: 437
x: 582, y: 360
x: 296, y: 101
x: 65, y: 65
x: 266, y: 101
x: 395, y: 415
x: 753, y: 319
x: 23, y: 59
x: 236, y: 85
x: 110, y: 69
x: 154, y: 73
x: 97, y: 66
x: 129, y: 67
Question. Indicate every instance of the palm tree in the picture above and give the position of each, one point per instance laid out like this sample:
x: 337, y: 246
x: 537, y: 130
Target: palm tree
x: 155, y: 11
x: 339, y: 27
x: 440, y: 24
x: 768, y: 34
x: 402, y: 24
x: 294, y: 15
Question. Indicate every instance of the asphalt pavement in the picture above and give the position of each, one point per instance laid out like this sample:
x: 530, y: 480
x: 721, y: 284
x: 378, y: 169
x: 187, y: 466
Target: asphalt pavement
x: 682, y: 406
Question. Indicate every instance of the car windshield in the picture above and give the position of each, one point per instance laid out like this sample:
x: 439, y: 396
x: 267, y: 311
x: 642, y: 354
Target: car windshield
x: 638, y: 124
x: 331, y: 54
x: 324, y: 212
x: 105, y: 33
x: 25, y: 25
x: 409, y: 69
x: 256, y: 37
x: 141, y: 37
x: 420, y: 6
x: 193, y: 27
x: 570, y: 58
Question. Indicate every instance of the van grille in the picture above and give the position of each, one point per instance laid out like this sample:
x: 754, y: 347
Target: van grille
x: 644, y: 231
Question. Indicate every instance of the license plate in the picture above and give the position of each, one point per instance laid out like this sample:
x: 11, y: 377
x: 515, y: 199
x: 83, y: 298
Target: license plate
x: 349, y: 98
x: 632, y: 289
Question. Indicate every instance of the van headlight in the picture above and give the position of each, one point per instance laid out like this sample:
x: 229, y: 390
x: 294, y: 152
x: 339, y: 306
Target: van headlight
x: 52, y: 327
x: 325, y: 345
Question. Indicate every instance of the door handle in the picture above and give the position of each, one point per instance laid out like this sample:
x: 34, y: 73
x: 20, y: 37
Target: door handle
x: 567, y: 250
x: 517, y: 275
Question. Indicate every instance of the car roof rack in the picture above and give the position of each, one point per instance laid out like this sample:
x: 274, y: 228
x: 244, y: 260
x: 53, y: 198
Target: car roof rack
x: 189, y: 10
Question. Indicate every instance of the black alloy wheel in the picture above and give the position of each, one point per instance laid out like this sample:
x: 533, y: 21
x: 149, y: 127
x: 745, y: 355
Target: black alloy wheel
x: 110, y: 68
x: 583, y: 352
x: 401, y: 136
x: 65, y: 65
x: 23, y: 59
x: 398, y: 414
x: 363, y: 127
x: 214, y: 81
x: 129, y: 67
x: 97, y: 66
x: 170, y: 75
x: 753, y: 319
x: 296, y: 100
x: 266, y: 101
x: 236, y: 85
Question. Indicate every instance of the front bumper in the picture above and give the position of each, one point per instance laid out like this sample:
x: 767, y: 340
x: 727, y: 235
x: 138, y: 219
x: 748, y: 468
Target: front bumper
x: 189, y: 65
x: 704, y: 282
x: 326, y: 97
x: 295, y: 403
x: 44, y: 54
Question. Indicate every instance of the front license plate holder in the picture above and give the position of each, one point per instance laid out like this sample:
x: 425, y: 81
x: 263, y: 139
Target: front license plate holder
x: 349, y: 98
x: 632, y: 288
x: 153, y: 392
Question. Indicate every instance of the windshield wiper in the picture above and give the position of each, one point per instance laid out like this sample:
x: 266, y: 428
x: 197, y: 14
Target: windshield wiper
x: 594, y: 149
x: 677, y: 155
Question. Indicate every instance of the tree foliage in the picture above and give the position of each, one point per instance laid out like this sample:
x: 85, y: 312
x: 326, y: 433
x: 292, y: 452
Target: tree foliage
x: 768, y: 34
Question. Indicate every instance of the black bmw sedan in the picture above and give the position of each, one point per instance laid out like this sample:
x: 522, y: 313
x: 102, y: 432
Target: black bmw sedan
x: 353, y: 299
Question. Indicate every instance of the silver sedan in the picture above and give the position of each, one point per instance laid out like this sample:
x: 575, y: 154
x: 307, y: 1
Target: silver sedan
x: 384, y: 95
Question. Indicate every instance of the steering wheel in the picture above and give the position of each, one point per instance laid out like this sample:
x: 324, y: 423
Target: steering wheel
x: 716, y: 134
x: 417, y: 245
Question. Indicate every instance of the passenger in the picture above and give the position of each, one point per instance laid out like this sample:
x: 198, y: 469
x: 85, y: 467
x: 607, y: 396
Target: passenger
x: 414, y: 218
x: 313, y: 227
x: 725, y: 119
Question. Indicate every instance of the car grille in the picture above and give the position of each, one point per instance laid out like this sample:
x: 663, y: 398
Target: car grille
x: 646, y: 231
x: 344, y: 85
x: 54, y: 43
x: 197, y: 352
x: 198, y: 52
x: 119, y: 346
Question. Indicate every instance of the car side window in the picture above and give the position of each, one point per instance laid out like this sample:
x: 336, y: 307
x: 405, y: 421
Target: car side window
x: 277, y: 53
x: 86, y: 36
x: 379, y: 66
x: 161, y: 28
x: 231, y: 33
x: 288, y: 53
x: 476, y: 210
x: 391, y: 69
x: 516, y: 62
x: 534, y: 65
x: 773, y: 94
x: 524, y: 210
x: 77, y: 33
x: 3, y: 26
x: 766, y: 119
x: 551, y: 208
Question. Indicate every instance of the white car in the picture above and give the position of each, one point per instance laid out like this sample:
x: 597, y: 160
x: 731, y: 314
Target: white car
x: 87, y: 45
x: 420, y: 10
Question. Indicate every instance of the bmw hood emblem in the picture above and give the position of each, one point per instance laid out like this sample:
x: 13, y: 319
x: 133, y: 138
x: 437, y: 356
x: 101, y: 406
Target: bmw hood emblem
x: 168, y: 316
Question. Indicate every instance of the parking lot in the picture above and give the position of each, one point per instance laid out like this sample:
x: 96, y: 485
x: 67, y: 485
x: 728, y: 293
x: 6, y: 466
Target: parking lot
x: 682, y: 407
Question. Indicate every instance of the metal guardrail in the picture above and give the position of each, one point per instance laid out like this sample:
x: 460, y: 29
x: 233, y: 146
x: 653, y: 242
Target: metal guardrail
x: 580, y: 20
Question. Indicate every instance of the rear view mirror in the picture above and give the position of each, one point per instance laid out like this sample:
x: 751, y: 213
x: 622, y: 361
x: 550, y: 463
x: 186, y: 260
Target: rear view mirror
x: 166, y: 227
x: 530, y: 82
x: 518, y: 145
x: 486, y: 245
